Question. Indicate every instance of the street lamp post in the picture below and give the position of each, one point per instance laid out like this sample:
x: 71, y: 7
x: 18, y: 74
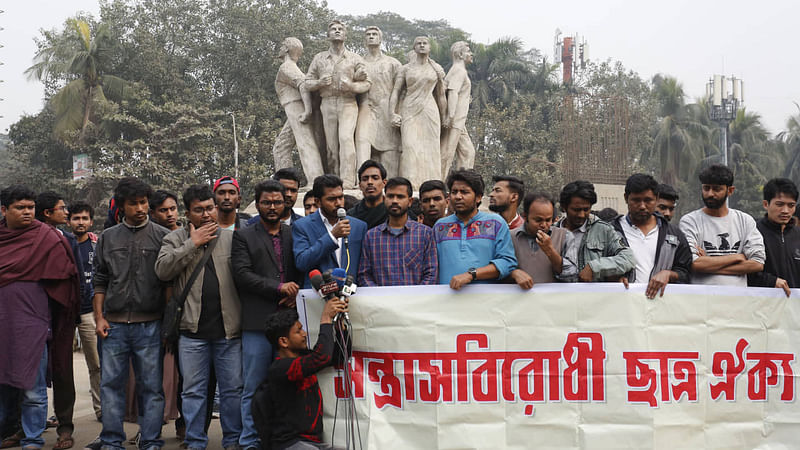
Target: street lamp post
x: 723, y: 106
x: 235, y: 148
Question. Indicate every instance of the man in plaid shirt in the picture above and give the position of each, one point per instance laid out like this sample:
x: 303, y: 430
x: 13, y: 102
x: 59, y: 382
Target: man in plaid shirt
x: 398, y: 252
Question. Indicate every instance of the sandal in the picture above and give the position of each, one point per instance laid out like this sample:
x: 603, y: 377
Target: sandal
x: 13, y: 440
x: 52, y: 422
x: 63, y: 442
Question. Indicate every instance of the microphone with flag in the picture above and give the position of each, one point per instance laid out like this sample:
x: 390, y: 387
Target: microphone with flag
x: 345, y: 283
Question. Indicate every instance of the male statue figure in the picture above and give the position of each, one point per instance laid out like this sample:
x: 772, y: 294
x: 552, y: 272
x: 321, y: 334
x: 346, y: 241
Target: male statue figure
x: 376, y: 138
x: 455, y: 140
x: 339, y: 75
x: 290, y: 84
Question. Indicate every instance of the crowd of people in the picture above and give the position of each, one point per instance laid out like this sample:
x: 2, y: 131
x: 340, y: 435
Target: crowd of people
x: 236, y: 279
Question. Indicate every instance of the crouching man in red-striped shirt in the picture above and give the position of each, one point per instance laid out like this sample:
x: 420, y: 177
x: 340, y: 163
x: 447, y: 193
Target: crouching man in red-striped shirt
x: 295, y: 401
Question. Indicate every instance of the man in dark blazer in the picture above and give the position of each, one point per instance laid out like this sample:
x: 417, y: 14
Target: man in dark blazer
x: 266, y: 279
x: 321, y: 240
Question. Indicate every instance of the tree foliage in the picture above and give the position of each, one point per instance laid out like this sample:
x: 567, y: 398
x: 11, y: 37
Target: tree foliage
x: 191, y: 66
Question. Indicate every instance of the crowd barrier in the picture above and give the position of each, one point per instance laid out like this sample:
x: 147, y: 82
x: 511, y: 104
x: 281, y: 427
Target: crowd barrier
x: 567, y: 366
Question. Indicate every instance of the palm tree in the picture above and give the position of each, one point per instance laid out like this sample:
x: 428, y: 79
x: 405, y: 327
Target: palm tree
x: 679, y: 137
x: 78, y: 56
x: 498, y: 72
x: 791, y: 144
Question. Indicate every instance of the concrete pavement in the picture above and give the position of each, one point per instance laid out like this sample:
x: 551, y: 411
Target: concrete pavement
x: 87, y: 428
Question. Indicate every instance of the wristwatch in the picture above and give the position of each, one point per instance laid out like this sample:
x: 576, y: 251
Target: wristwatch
x: 474, y: 272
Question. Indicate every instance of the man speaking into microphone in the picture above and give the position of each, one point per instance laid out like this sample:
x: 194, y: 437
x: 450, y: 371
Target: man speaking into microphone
x: 328, y: 238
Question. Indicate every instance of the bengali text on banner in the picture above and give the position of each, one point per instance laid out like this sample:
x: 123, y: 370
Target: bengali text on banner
x: 567, y: 365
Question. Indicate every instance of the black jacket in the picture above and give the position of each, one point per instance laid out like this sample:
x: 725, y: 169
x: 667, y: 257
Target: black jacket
x: 783, y: 255
x: 124, y: 265
x: 256, y: 272
x: 294, y: 397
x: 373, y: 216
x: 675, y: 256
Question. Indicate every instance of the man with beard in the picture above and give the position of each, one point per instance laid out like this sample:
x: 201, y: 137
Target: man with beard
x: 599, y: 253
x: 80, y: 221
x: 290, y: 180
x: 433, y: 200
x: 726, y: 244
x: 398, y: 252
x: 662, y: 253
x: 507, y: 193
x: 38, y: 279
x: 472, y: 245
x: 266, y: 278
x: 164, y: 209
x: 371, y: 180
x: 210, y: 324
x: 228, y: 197
x: 781, y: 237
x: 324, y: 241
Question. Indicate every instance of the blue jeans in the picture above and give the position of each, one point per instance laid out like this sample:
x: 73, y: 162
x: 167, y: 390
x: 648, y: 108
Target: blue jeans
x: 141, y: 343
x: 34, y: 406
x: 195, y: 357
x: 256, y: 358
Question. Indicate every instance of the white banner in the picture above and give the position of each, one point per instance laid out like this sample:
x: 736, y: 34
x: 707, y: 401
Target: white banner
x: 568, y: 365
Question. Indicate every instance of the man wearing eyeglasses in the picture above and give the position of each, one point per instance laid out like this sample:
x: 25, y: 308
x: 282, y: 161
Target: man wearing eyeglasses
x: 210, y: 330
x: 265, y: 275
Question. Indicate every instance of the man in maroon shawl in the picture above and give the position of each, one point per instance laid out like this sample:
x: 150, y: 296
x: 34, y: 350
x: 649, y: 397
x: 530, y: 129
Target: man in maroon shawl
x: 37, y: 274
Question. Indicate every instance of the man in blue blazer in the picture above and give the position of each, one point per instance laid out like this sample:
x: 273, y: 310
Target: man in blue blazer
x: 321, y: 240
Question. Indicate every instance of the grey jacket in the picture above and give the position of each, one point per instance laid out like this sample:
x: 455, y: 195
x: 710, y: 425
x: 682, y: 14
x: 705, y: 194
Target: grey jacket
x: 672, y: 251
x: 603, y: 250
x: 123, y: 264
x: 176, y: 262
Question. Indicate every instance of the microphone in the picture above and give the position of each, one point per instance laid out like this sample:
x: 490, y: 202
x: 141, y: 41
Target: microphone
x: 350, y: 286
x: 327, y: 289
x: 343, y: 281
x: 339, y: 275
x: 342, y: 215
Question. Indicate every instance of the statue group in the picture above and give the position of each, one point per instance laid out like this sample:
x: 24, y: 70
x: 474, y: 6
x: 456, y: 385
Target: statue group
x: 412, y: 118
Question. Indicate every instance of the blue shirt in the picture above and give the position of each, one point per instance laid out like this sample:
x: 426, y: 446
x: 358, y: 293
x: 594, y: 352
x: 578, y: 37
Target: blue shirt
x: 484, y: 239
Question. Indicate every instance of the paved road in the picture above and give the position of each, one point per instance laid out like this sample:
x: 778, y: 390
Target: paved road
x: 87, y: 427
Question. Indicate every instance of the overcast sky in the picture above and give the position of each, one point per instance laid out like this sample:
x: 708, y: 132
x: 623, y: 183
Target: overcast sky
x: 688, y: 39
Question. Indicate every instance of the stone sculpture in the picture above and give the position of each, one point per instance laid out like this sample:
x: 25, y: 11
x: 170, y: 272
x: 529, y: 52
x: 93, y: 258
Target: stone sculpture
x: 339, y: 75
x: 376, y: 138
x: 455, y: 140
x: 420, y: 115
x: 296, y: 101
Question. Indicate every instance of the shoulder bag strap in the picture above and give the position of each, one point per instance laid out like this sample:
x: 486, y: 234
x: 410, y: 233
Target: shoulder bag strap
x: 196, y: 272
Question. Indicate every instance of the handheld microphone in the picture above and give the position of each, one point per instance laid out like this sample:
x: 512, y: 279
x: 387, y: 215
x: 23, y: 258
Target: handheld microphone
x: 327, y: 289
x: 342, y: 215
x: 350, y: 286
x: 342, y: 280
x: 339, y: 275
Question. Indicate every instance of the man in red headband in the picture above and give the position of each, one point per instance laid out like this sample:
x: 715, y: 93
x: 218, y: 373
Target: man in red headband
x: 37, y: 274
x: 228, y: 197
